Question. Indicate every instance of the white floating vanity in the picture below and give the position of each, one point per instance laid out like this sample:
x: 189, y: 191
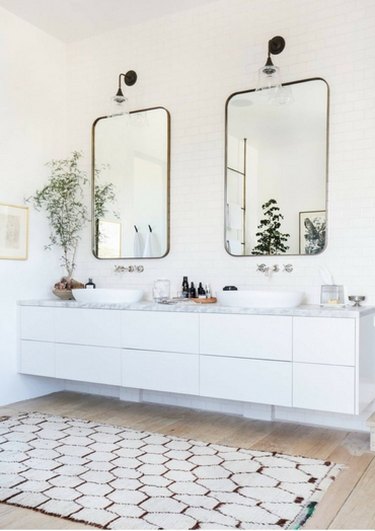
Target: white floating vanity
x: 306, y: 357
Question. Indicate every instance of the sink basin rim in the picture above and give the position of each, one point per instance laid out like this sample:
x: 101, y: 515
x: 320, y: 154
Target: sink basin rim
x: 261, y: 298
x: 108, y: 295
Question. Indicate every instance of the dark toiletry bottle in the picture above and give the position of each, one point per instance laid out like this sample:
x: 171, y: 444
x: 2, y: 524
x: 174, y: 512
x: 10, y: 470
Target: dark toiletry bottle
x: 90, y: 284
x: 185, y: 287
x: 201, y: 291
x: 192, y: 291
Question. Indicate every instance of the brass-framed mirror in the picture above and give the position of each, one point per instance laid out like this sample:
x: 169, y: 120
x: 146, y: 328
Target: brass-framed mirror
x: 276, y: 170
x: 131, y: 185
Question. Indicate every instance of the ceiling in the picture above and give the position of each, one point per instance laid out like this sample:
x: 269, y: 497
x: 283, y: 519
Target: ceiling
x: 72, y: 20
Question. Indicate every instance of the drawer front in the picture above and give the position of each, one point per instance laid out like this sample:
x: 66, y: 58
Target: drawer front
x: 247, y: 336
x: 265, y: 382
x: 322, y: 340
x: 38, y: 358
x: 324, y: 387
x: 161, y: 371
x: 88, y: 364
x: 88, y: 327
x: 37, y: 323
x: 164, y: 331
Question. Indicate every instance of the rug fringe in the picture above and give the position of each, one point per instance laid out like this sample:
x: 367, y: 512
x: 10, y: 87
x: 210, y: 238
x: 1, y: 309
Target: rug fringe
x: 306, y: 514
x: 308, y: 511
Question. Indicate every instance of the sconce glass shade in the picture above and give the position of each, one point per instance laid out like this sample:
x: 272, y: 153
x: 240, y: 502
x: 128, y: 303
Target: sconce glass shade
x: 269, y: 77
x: 119, y: 103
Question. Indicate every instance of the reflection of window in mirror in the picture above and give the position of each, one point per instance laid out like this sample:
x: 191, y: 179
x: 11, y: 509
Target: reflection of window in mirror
x: 131, y: 159
x: 276, y: 170
x: 109, y: 239
x: 236, y: 195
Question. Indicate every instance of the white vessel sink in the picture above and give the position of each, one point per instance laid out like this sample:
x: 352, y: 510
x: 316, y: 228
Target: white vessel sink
x: 261, y: 298
x: 119, y: 296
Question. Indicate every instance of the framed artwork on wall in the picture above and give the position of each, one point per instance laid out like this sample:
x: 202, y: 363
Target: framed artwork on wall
x: 312, y: 231
x: 14, y: 232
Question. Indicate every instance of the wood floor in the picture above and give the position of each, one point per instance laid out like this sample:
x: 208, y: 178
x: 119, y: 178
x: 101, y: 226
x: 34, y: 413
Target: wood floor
x: 348, y: 504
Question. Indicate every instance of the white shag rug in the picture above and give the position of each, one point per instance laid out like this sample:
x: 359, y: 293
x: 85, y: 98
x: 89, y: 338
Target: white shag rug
x: 118, y: 478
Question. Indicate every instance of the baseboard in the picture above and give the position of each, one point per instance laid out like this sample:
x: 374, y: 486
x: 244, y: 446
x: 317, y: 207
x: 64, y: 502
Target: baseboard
x: 230, y: 407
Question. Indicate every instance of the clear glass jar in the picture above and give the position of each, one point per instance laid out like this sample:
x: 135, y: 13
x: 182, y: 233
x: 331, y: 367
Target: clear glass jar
x: 332, y: 295
x: 161, y: 290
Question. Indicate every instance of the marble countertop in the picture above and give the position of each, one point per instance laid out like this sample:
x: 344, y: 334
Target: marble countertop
x: 311, y: 310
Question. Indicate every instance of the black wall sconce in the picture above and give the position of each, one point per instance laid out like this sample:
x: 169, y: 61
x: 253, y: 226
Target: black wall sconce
x: 130, y: 79
x: 269, y: 74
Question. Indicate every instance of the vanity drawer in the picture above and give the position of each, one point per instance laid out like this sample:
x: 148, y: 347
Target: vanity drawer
x: 164, y: 331
x: 265, y: 382
x: 324, y: 387
x: 37, y: 358
x: 88, y: 327
x: 37, y: 323
x: 88, y: 364
x: 246, y: 336
x: 330, y: 340
x: 161, y: 371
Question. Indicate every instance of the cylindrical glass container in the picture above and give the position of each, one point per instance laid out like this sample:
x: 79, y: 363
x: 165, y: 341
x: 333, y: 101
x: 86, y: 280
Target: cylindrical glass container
x: 161, y: 290
x: 332, y: 295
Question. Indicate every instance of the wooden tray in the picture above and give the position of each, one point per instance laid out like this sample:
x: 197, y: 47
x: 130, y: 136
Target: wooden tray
x: 211, y: 300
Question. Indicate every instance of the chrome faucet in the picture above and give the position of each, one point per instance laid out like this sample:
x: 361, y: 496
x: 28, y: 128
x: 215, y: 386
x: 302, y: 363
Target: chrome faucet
x: 129, y: 269
x: 268, y: 270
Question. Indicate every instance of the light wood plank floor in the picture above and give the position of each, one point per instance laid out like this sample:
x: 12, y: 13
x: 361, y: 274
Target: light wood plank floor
x: 348, y: 504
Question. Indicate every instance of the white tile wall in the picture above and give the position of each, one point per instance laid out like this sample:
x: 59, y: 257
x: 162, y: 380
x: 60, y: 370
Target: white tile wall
x: 190, y: 63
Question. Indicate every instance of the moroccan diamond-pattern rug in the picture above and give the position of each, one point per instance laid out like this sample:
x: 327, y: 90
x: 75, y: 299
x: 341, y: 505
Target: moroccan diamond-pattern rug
x: 118, y: 478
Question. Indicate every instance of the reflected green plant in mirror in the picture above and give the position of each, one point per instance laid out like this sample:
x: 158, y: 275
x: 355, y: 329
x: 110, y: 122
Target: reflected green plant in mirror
x: 104, y: 195
x: 270, y: 239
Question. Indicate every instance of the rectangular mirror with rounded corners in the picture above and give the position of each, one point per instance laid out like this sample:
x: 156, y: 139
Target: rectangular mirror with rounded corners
x: 131, y: 184
x: 276, y: 170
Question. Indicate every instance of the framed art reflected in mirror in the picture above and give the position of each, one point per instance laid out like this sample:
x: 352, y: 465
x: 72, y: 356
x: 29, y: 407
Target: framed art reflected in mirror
x: 312, y: 232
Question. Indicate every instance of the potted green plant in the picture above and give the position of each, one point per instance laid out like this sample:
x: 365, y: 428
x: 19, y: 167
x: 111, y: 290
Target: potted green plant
x: 63, y: 201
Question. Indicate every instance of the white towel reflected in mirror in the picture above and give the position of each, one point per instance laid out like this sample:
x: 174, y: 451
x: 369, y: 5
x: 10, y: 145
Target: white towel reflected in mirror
x: 235, y: 216
x: 152, y: 246
x: 235, y: 247
x: 138, y: 244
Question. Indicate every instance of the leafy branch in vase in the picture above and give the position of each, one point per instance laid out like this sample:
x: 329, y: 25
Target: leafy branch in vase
x: 63, y: 201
